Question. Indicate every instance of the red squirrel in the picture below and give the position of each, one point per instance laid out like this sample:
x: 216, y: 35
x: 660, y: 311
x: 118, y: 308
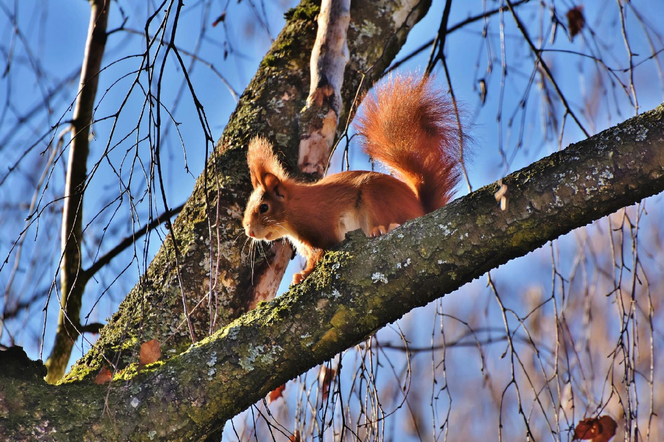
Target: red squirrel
x: 407, y: 124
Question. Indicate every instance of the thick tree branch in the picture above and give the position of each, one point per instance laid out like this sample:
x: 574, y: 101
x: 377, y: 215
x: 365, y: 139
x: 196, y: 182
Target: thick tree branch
x: 357, y: 289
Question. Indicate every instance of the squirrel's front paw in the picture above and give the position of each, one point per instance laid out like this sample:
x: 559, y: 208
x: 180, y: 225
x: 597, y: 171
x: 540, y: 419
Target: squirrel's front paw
x: 381, y: 230
x: 299, y: 277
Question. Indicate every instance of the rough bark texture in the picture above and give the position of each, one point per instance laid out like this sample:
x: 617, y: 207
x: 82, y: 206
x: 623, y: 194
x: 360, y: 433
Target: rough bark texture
x: 357, y: 289
x: 216, y: 277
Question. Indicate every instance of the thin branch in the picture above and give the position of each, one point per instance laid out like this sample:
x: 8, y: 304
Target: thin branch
x: 71, y: 287
x: 157, y: 160
x: 450, y: 30
x: 438, y: 47
x: 545, y: 67
x: 127, y: 241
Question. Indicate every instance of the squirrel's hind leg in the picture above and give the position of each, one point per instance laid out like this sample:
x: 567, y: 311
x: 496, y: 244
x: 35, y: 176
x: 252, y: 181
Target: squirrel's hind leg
x: 381, y: 230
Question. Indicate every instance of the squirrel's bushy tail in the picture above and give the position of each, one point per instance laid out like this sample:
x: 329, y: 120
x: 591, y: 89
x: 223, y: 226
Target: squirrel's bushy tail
x: 409, y: 125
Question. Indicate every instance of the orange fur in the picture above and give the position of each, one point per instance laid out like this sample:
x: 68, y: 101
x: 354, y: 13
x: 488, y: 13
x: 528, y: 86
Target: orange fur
x: 410, y: 126
x: 407, y: 125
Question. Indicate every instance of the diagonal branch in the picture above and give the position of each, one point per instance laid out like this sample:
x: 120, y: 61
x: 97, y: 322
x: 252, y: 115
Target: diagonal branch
x: 128, y: 241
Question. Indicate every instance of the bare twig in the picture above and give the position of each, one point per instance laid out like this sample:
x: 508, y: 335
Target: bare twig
x: 127, y: 241
x: 538, y: 57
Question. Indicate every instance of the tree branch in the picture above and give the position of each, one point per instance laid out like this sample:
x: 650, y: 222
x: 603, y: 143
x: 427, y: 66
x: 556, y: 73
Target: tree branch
x: 538, y: 56
x: 129, y: 240
x: 72, y: 284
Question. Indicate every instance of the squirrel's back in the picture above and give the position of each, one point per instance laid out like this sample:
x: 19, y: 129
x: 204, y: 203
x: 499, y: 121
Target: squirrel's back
x: 410, y: 125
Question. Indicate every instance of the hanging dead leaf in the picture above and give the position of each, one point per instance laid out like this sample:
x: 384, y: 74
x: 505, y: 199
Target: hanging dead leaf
x: 103, y: 376
x: 276, y: 394
x: 575, y: 20
x: 150, y: 352
x: 325, y: 378
x: 295, y: 437
x: 483, y: 90
x: 599, y: 429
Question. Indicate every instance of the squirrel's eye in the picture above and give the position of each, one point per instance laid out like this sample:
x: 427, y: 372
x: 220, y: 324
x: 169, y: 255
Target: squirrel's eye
x: 263, y: 208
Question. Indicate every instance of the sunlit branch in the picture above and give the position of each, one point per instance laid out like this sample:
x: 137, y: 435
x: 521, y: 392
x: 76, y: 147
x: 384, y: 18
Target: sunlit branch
x: 71, y: 288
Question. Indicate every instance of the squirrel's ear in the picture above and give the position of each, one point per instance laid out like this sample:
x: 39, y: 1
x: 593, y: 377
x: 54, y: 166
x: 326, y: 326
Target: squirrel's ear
x: 263, y: 162
x: 274, y: 185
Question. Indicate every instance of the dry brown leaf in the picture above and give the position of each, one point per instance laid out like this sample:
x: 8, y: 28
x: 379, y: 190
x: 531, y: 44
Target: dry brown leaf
x: 103, y: 376
x: 276, y: 394
x: 325, y: 378
x: 575, y: 20
x: 150, y: 352
x: 599, y: 429
x: 295, y: 437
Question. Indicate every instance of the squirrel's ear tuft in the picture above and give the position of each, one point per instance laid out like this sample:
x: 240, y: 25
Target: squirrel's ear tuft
x: 263, y: 162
